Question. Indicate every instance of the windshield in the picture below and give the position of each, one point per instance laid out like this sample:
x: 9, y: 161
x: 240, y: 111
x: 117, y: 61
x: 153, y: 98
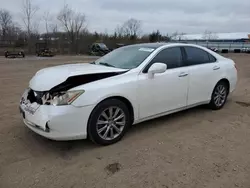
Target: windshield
x: 128, y: 57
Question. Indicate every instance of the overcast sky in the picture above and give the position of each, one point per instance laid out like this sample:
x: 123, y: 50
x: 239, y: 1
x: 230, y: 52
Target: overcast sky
x: 189, y: 16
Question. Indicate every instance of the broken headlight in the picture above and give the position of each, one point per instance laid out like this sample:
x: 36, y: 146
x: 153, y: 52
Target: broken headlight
x: 65, y: 98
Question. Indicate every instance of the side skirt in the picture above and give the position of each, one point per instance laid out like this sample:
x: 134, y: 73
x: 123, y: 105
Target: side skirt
x: 170, y: 112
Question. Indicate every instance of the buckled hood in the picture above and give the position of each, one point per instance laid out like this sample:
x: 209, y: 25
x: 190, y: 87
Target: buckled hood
x: 48, y: 78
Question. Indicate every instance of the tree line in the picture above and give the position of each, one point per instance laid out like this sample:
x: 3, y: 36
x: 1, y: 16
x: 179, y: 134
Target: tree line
x: 74, y: 36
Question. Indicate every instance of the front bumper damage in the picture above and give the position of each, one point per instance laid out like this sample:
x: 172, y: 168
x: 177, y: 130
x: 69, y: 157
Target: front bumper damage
x: 31, y: 124
x: 55, y: 122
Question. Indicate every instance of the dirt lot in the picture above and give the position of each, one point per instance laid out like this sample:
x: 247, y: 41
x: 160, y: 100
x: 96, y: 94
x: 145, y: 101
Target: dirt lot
x: 195, y: 148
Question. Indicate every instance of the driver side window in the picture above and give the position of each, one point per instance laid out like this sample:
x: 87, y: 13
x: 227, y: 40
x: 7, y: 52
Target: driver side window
x: 170, y: 56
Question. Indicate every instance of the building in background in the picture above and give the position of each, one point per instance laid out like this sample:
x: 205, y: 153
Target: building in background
x: 217, y: 37
x: 222, y: 42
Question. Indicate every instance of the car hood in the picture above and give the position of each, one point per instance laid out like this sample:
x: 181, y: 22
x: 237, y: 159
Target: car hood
x: 48, y: 78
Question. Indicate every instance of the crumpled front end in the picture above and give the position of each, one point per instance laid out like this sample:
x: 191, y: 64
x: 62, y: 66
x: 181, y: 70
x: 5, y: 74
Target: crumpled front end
x: 54, y: 122
x: 47, y: 106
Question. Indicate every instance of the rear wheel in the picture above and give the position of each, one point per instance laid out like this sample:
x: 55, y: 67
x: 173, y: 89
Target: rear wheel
x: 109, y: 122
x: 219, y: 95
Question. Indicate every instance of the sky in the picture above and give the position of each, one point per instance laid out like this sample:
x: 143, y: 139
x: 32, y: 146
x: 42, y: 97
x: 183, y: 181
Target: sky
x: 169, y: 16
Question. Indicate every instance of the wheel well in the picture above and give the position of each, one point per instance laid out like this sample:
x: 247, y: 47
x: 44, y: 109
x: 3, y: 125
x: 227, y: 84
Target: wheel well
x: 226, y: 82
x: 126, y: 102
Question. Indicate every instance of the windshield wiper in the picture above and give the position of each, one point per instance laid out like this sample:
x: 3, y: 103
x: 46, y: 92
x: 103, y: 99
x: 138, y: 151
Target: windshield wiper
x: 106, y: 64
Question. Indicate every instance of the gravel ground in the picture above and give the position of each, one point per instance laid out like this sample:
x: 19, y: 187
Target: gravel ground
x: 194, y: 148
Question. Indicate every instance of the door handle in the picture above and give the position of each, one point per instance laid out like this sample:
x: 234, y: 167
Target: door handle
x: 216, y: 68
x: 183, y: 74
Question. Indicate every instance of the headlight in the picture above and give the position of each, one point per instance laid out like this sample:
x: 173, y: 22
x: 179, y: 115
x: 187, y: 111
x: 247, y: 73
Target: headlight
x: 65, y: 98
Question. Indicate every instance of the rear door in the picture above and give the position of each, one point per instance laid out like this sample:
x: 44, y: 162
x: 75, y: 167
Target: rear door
x: 204, y: 73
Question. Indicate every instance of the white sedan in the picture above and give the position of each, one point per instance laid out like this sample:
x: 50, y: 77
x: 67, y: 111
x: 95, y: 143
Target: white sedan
x: 131, y: 84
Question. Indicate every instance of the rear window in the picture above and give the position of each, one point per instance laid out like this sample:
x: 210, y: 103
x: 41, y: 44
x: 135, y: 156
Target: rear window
x: 196, y: 56
x: 212, y: 58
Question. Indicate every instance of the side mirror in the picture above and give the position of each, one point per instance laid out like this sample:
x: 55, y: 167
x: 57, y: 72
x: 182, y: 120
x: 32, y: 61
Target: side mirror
x: 156, y: 68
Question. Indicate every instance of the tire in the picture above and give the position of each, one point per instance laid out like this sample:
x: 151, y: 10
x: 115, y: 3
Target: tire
x: 215, y: 103
x: 6, y: 54
x: 108, y: 125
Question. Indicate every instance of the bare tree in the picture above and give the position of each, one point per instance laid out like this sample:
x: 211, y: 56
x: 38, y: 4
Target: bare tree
x: 73, y: 23
x: 119, y: 31
x: 14, y: 31
x: 47, y: 19
x: 5, y: 22
x: 132, y: 28
x: 28, y: 10
x: 53, y: 27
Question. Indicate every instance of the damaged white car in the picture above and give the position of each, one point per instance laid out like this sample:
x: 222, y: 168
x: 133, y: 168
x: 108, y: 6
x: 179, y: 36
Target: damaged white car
x: 131, y: 84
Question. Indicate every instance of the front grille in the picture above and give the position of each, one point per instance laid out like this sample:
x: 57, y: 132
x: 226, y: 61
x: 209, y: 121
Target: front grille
x: 35, y: 96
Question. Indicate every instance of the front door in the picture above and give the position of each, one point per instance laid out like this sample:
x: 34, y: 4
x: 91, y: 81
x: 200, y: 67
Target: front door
x: 166, y: 91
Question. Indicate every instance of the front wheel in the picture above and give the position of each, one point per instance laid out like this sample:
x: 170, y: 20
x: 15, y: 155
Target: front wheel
x: 108, y: 122
x: 219, y: 96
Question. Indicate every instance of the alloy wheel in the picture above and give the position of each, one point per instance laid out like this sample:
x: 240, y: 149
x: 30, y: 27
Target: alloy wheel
x: 111, y: 123
x: 220, y: 95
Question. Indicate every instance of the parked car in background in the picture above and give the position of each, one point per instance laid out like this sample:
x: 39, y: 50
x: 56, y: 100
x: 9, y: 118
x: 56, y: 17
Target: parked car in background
x: 46, y: 52
x: 43, y: 49
x: 14, y: 54
x: 245, y: 50
x: 119, y: 45
x: 213, y: 49
x: 98, y: 49
x: 127, y: 86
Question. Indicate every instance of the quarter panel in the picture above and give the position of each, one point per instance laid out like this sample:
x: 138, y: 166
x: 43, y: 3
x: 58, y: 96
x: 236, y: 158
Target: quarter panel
x: 202, y: 81
x: 230, y: 73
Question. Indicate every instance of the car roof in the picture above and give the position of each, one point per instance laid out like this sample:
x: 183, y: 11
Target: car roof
x: 166, y: 44
x: 173, y: 44
x: 149, y: 45
x: 160, y: 44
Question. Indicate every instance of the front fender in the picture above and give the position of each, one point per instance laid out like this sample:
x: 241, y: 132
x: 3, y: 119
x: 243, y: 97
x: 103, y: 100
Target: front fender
x: 94, y: 97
